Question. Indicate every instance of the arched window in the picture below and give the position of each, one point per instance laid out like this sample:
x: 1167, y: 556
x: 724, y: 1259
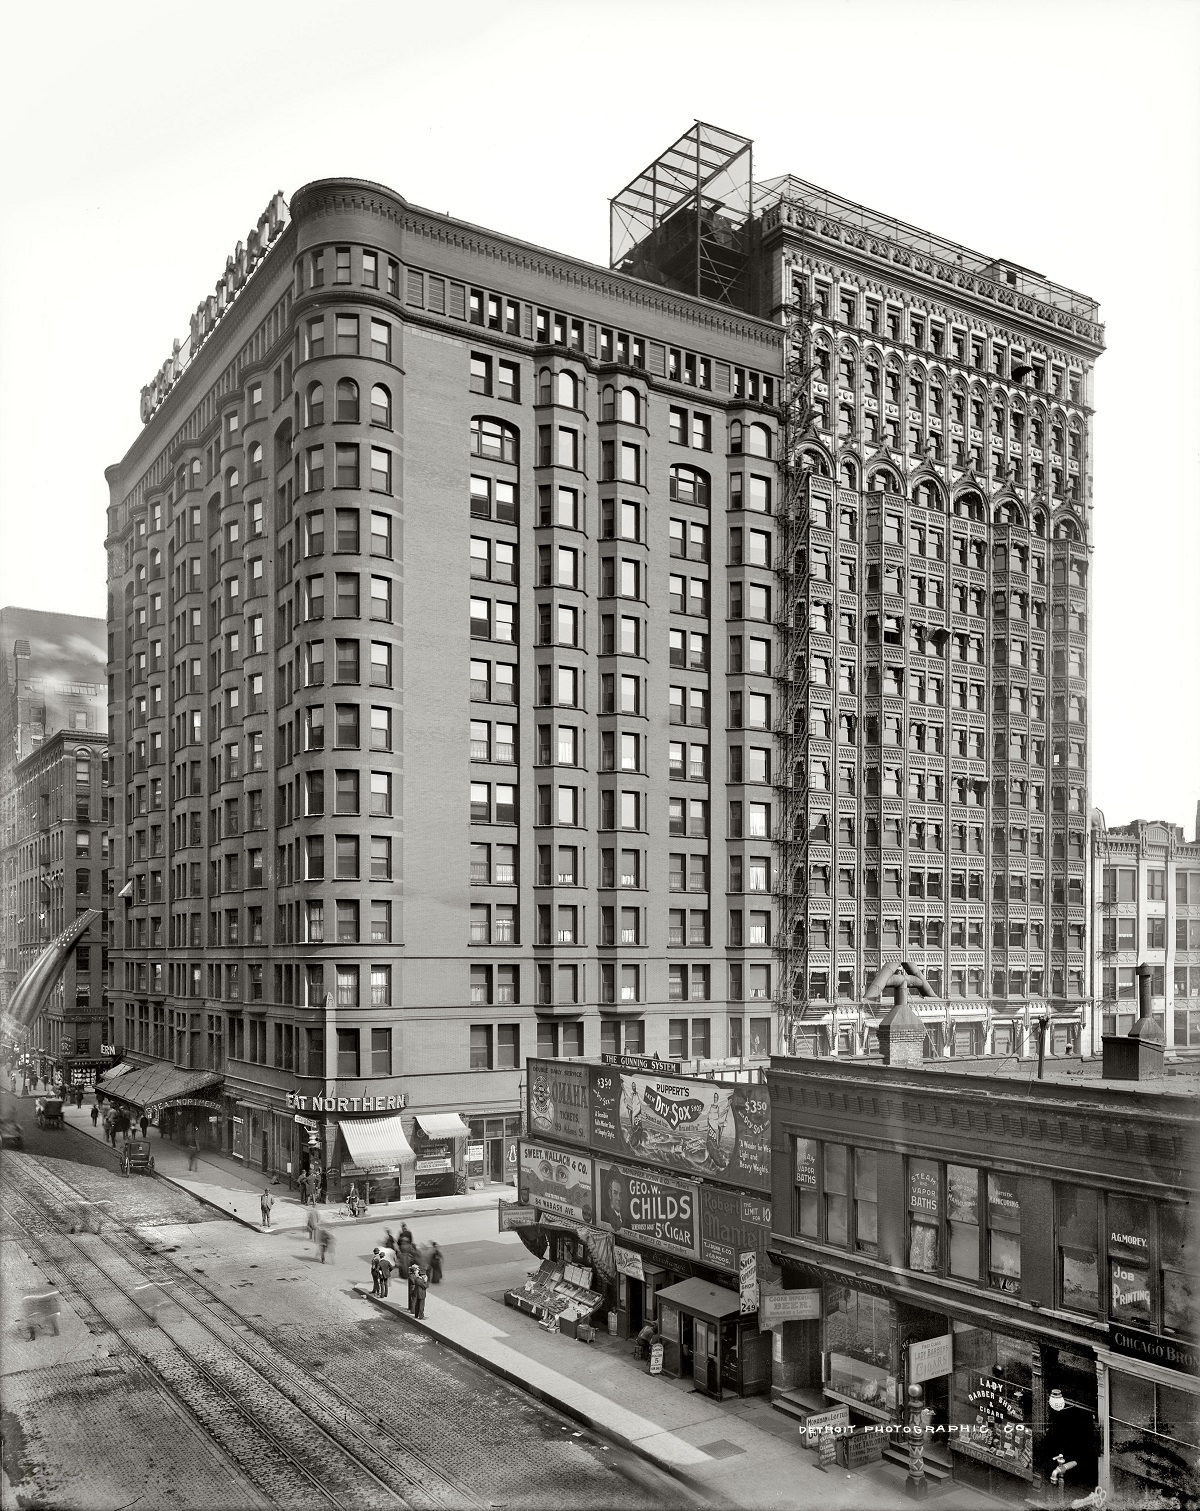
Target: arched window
x: 1039, y: 522
x: 196, y: 473
x: 1066, y: 529
x: 254, y: 462
x: 140, y: 576
x: 970, y: 506
x: 283, y: 446
x: 608, y: 402
x: 346, y: 400
x: 883, y: 480
x: 758, y: 440
x: 631, y: 406
x: 735, y: 437
x: 821, y: 361
x: 381, y: 406
x: 1008, y: 513
x: 566, y: 390
x: 494, y: 439
x: 927, y: 495
x: 848, y: 474
x: 815, y: 460
x: 181, y: 480
x: 155, y: 562
x: 232, y: 481
x: 689, y: 486
x: 314, y: 405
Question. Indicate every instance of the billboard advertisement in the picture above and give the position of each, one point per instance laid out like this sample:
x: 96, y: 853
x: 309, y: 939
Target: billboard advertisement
x: 555, y: 1180
x: 559, y: 1101
x: 731, y: 1224
x: 699, y: 1127
x: 648, y: 1207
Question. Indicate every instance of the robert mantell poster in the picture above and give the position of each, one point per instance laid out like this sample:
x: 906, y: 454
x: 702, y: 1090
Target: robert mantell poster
x: 554, y: 1180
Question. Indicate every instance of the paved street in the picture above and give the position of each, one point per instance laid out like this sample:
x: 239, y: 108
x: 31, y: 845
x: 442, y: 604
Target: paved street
x: 111, y: 1410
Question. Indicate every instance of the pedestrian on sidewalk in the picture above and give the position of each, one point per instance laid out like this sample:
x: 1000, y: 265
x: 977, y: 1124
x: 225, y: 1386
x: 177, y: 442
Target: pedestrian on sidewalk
x: 376, y: 1275
x: 314, y: 1186
x: 385, y: 1269
x: 79, y: 1096
x: 303, y: 1184
x: 95, y: 1114
x: 420, y: 1286
x: 193, y: 1149
x: 324, y: 1241
x: 143, y: 1124
x: 266, y: 1201
x: 312, y: 1224
x: 412, y: 1286
x: 435, y: 1265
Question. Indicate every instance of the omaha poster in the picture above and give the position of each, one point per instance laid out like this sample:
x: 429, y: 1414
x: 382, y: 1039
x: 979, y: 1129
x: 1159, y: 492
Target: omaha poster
x: 653, y: 1209
x: 554, y: 1180
x: 699, y: 1127
x: 558, y: 1101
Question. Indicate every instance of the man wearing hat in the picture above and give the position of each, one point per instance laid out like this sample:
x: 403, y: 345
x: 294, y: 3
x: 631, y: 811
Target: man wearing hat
x: 413, y: 1272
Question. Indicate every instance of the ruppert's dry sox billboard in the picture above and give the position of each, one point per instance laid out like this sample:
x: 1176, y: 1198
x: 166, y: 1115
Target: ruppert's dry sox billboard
x: 696, y: 1126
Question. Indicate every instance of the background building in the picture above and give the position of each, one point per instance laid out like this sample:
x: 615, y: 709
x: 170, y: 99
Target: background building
x: 993, y: 1238
x: 1146, y: 898
x: 534, y: 658
x: 62, y: 870
x: 51, y: 678
x: 931, y: 597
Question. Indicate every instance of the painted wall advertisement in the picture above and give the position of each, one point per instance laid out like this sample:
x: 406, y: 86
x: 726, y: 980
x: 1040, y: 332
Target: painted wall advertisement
x: 555, y: 1181
x: 698, y: 1127
x: 648, y: 1207
x: 730, y: 1223
x: 559, y: 1101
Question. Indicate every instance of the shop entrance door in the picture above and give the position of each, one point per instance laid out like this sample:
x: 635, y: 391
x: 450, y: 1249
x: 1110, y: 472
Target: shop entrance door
x: 706, y: 1373
x: 685, y: 1344
x: 495, y: 1160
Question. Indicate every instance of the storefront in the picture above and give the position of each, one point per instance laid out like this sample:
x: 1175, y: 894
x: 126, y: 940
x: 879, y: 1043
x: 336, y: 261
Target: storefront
x: 1150, y: 1417
x: 372, y: 1152
x: 706, y: 1337
x: 439, y: 1141
x: 492, y: 1150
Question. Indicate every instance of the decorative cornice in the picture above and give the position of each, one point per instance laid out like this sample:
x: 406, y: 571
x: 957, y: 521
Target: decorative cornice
x: 330, y: 199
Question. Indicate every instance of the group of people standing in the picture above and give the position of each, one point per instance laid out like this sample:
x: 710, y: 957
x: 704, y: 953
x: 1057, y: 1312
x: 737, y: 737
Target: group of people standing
x: 400, y: 1254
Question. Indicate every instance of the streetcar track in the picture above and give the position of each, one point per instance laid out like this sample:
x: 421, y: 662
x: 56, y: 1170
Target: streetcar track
x: 267, y: 1461
x: 405, y: 1473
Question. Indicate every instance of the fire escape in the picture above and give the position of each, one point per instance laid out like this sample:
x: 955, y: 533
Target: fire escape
x: 799, y: 480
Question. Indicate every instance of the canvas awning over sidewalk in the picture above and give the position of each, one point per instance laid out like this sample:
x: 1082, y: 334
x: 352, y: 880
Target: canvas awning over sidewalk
x: 160, y: 1086
x: 377, y: 1146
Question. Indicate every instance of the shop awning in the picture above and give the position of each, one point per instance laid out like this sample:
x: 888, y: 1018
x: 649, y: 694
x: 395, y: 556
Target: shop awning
x: 159, y: 1085
x: 377, y: 1146
x: 712, y: 1302
x: 442, y: 1125
x: 122, y: 1069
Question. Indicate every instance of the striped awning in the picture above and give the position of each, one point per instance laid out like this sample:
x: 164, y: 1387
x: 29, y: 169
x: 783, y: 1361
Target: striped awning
x: 436, y: 1125
x: 377, y: 1146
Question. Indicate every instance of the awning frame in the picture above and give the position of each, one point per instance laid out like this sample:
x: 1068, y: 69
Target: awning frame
x: 700, y: 1299
x: 451, y: 1125
x: 377, y: 1139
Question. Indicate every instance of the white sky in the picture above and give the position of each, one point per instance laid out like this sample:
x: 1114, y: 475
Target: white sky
x: 142, y: 140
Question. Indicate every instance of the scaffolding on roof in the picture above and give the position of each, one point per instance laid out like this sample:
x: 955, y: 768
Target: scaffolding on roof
x: 683, y: 221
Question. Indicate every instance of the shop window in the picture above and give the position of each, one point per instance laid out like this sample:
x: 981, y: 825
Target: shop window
x: 1177, y: 1249
x: 1076, y: 1227
x: 1004, y: 1232
x: 858, y: 1337
x: 992, y: 1388
x: 1153, y: 1437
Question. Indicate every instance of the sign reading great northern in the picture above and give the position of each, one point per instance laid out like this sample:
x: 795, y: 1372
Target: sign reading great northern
x: 699, y: 1127
x: 554, y: 1180
x: 651, y: 1208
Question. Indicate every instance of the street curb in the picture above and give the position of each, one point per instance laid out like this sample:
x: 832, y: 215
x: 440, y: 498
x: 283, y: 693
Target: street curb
x: 541, y: 1394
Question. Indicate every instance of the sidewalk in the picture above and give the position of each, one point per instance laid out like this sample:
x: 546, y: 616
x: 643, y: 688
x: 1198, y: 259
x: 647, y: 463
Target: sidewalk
x: 735, y: 1453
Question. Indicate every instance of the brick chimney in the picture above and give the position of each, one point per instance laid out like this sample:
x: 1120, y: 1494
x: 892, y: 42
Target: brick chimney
x: 901, y: 1032
x: 1138, y: 1055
